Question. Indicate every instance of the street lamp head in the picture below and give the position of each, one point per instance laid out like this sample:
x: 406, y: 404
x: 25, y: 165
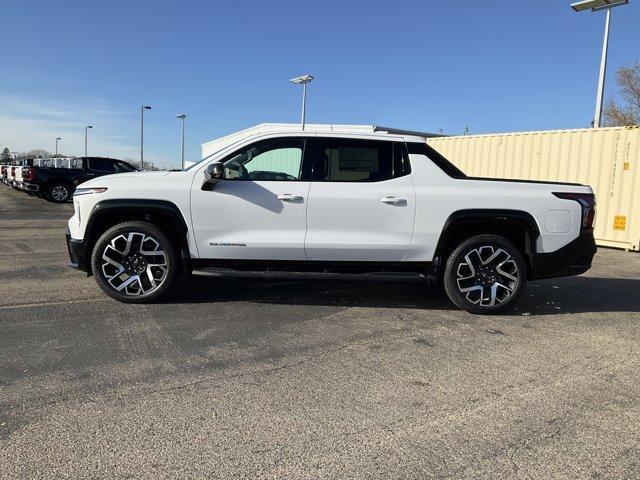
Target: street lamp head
x: 58, y: 138
x: 595, y: 5
x: 146, y: 107
x: 89, y: 126
x: 302, y: 80
x: 181, y: 116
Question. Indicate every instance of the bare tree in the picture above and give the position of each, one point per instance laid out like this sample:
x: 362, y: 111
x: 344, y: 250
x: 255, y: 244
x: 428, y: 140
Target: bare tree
x: 6, y: 155
x: 628, y: 79
x: 147, y: 165
x: 37, y: 153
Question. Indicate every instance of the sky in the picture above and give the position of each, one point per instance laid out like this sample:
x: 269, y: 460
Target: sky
x: 489, y: 66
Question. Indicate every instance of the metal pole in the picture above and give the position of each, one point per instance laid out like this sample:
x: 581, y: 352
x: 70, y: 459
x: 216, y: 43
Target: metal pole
x: 85, y: 141
x: 57, y: 147
x: 142, y: 137
x: 603, y: 71
x: 182, y: 160
x: 304, y: 103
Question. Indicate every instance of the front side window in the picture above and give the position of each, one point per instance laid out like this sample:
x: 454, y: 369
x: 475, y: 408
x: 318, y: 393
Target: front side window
x: 347, y: 160
x: 279, y: 160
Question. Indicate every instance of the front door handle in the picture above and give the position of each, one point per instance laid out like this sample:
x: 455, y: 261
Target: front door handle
x: 288, y: 197
x: 393, y: 200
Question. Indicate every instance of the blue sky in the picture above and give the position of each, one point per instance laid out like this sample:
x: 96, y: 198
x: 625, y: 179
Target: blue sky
x: 426, y: 65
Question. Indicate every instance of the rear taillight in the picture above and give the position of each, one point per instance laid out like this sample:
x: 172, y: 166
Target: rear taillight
x: 29, y: 174
x: 13, y: 171
x: 588, y: 203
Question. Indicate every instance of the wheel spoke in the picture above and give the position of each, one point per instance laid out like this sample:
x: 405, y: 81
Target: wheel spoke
x: 127, y: 282
x: 501, y: 269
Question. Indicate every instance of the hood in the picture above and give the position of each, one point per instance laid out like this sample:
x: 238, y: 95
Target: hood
x: 118, y: 178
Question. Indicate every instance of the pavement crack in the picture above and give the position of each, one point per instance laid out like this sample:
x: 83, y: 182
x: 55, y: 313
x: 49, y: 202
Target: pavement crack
x: 261, y: 371
x: 511, y: 456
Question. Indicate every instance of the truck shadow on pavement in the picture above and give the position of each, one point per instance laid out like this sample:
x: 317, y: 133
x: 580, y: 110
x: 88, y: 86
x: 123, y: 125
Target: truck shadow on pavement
x: 547, y: 297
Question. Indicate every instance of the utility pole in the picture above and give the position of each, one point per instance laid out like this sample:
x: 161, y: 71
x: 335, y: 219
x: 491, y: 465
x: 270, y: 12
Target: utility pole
x: 603, y: 72
x: 182, y: 116
x: 85, y: 138
x: 303, y: 80
x: 142, y: 109
x: 595, y: 6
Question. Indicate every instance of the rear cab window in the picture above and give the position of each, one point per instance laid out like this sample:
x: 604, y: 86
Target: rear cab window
x: 358, y: 160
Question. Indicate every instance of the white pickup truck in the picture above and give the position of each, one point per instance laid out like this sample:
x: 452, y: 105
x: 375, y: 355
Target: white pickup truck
x: 330, y: 202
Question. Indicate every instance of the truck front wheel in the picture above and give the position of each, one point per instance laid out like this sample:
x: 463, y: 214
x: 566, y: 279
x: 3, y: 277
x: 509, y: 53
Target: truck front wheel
x: 485, y: 274
x: 134, y: 262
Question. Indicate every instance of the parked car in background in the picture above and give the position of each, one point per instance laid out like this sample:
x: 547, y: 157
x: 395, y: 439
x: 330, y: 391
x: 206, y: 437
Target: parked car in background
x: 58, y: 182
x: 20, y: 169
x: 12, y: 176
x: 282, y: 202
x: 4, y: 173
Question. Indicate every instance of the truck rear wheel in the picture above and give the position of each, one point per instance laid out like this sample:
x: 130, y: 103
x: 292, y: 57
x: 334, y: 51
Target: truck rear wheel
x: 134, y: 262
x: 485, y: 274
x: 59, y: 193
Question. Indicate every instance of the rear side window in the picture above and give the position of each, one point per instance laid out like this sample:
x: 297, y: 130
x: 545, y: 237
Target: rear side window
x: 356, y: 160
x: 445, y: 165
x: 101, y: 165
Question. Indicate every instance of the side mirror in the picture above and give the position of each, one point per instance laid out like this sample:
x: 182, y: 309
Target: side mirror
x: 212, y: 175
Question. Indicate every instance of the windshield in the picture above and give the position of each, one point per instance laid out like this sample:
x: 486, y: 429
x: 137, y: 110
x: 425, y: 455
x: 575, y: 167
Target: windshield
x: 123, y: 167
x: 205, y: 158
x: 224, y: 147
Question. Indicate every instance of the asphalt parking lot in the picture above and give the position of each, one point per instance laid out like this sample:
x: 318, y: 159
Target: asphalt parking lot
x: 255, y: 379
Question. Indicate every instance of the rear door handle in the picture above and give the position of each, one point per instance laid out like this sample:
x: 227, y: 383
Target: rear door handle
x: 288, y: 197
x: 393, y: 200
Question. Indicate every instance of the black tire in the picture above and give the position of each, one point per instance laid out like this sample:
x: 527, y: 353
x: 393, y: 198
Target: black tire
x: 134, y: 263
x: 485, y: 288
x: 59, y: 193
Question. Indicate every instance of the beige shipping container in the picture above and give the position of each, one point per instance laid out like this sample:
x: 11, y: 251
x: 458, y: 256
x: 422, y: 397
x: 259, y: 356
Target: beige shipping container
x: 608, y: 159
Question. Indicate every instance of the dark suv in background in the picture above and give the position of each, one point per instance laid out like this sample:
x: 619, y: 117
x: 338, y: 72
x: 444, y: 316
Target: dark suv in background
x: 57, y: 184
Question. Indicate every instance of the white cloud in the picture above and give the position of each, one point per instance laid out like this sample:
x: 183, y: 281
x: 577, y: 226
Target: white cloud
x: 27, y: 123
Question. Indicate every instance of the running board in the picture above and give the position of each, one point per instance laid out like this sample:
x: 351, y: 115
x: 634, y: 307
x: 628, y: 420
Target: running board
x: 278, y: 274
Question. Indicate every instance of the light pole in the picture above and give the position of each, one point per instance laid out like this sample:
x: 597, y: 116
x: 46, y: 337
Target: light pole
x: 142, y: 109
x: 57, y: 140
x: 303, y: 80
x: 182, y: 116
x: 85, y: 138
x: 594, y: 6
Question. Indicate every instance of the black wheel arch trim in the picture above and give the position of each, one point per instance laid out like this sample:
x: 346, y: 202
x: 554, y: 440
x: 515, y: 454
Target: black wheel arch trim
x: 142, y: 207
x: 488, y: 216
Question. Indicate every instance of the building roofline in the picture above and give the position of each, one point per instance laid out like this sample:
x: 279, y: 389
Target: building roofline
x: 538, y: 132
x: 320, y: 128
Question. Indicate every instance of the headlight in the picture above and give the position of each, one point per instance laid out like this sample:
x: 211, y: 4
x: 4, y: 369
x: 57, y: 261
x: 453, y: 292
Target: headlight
x: 87, y: 191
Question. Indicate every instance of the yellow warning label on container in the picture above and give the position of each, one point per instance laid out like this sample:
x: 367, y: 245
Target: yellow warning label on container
x: 626, y: 165
x: 619, y: 222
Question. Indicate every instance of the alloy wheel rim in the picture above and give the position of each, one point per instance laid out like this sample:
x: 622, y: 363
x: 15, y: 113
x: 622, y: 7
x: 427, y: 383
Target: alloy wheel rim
x: 60, y: 193
x: 134, y: 264
x: 487, y: 276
